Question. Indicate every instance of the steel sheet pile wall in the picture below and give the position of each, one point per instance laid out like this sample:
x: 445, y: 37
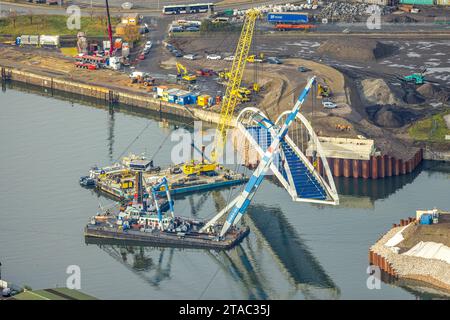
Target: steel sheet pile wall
x: 376, y: 167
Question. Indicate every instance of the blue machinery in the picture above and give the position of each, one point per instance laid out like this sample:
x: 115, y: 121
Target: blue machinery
x: 155, y: 189
x: 279, y: 153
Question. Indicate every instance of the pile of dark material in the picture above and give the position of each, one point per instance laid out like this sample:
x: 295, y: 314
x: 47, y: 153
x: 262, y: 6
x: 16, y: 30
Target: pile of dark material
x: 349, y: 12
x: 412, y: 96
x: 390, y: 116
x: 356, y: 50
x: 434, y: 92
x: 402, y: 19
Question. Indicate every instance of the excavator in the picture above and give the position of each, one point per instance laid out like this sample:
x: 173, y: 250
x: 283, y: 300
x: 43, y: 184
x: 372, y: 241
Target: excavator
x: 323, y: 90
x: 417, y: 78
x: 183, y: 74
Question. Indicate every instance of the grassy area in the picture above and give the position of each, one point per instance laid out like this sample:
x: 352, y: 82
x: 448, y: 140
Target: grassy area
x: 69, y: 52
x: 432, y: 129
x: 52, y: 25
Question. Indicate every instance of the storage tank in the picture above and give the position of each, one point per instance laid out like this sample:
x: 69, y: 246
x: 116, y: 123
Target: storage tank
x: 287, y: 17
x: 45, y: 40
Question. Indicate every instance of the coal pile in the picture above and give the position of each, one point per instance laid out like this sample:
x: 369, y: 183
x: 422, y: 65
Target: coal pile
x: 390, y: 116
x: 349, y: 12
x: 402, y: 19
x: 413, y: 97
x: 356, y: 50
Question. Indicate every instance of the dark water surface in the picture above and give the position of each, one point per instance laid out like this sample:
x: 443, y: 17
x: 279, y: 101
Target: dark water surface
x: 295, y: 251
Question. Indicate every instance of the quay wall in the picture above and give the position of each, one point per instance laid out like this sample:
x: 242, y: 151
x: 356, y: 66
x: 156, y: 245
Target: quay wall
x: 110, y: 95
x: 375, y: 168
x: 396, y: 266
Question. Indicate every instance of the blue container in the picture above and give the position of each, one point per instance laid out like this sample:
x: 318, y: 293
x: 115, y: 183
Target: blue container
x: 287, y: 17
x: 426, y: 219
x: 193, y: 98
x: 183, y: 100
x: 172, y: 98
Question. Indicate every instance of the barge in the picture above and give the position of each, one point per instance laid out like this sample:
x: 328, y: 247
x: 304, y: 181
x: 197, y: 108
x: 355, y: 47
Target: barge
x: 119, y: 179
x: 154, y: 237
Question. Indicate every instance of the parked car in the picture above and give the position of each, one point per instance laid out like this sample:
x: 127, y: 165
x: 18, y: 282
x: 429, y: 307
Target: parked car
x: 192, y: 29
x: 329, y: 104
x: 213, y: 57
x: 229, y: 58
x: 149, y: 44
x: 177, y: 54
x: 141, y: 56
x: 189, y: 56
x: 303, y: 69
x: 274, y: 60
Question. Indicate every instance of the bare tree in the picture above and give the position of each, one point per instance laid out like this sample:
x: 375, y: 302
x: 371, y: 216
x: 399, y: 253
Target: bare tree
x: 13, y: 17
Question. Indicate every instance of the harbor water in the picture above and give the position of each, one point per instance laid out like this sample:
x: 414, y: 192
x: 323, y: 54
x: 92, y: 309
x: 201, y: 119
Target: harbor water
x: 294, y: 250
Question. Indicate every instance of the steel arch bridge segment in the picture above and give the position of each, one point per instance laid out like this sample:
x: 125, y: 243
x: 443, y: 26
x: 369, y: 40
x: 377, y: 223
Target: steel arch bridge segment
x: 291, y: 166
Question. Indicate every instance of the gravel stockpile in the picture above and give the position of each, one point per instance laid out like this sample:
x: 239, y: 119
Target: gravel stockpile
x: 349, y: 12
x: 376, y: 91
x: 433, y: 271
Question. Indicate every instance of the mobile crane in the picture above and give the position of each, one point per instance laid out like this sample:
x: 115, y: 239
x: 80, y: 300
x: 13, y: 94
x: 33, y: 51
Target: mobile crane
x: 232, y: 94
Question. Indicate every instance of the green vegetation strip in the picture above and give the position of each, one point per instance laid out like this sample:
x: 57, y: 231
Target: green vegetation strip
x: 52, y: 25
x: 433, y: 129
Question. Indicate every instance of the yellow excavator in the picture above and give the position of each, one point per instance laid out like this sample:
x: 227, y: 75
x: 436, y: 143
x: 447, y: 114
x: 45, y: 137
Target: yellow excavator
x: 225, y: 74
x: 323, y: 90
x: 184, y: 75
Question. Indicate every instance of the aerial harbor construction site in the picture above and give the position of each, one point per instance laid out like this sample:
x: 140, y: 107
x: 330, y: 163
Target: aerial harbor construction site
x: 304, y: 94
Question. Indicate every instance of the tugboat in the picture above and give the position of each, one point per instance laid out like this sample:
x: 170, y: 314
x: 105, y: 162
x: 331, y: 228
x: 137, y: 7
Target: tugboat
x: 87, y: 181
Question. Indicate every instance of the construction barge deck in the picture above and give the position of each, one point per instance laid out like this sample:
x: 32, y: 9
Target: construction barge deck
x: 119, y: 180
x: 158, y: 238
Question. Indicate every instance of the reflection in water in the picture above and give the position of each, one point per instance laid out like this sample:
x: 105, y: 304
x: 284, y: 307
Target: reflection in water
x: 299, y: 263
x: 111, y: 133
x: 153, y: 265
x: 275, y: 237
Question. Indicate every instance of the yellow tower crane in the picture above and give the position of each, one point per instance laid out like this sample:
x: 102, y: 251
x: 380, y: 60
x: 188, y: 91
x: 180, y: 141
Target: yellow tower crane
x: 233, y: 93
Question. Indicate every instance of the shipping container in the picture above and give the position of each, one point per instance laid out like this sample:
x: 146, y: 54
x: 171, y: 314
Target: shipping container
x: 29, y: 40
x: 49, y: 40
x: 418, y: 2
x: 203, y: 100
x: 287, y: 17
x: 426, y: 219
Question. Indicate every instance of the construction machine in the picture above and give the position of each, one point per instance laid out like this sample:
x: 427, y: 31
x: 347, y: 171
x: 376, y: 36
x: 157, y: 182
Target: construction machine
x: 232, y: 95
x: 142, y: 78
x: 225, y: 74
x: 323, y: 90
x: 183, y: 74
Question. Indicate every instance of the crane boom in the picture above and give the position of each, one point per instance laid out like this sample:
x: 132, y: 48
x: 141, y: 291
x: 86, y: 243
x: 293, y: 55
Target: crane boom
x: 243, y: 200
x: 231, y: 97
x: 111, y: 48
